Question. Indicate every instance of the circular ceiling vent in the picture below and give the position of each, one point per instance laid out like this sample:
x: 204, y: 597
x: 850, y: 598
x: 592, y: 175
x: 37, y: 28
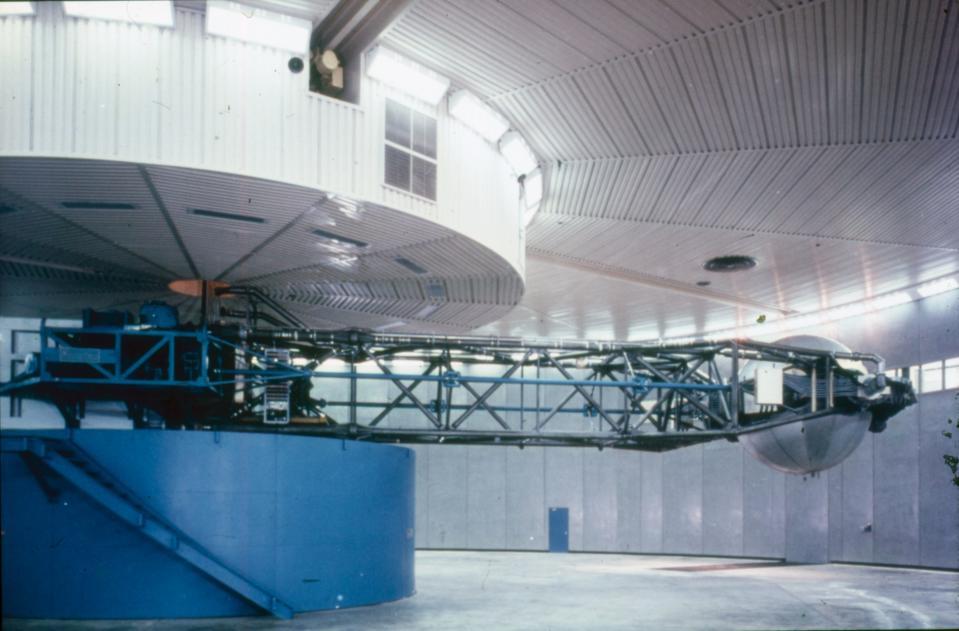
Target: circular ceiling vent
x: 731, y: 263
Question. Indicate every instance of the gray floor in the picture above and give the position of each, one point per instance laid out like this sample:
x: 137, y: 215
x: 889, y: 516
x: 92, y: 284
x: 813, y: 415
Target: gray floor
x: 510, y: 590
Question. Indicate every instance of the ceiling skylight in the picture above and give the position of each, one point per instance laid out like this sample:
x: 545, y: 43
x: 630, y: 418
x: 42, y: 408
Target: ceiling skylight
x: 478, y: 116
x: 257, y: 26
x: 401, y: 73
x: 517, y: 153
x: 16, y: 8
x: 155, y: 12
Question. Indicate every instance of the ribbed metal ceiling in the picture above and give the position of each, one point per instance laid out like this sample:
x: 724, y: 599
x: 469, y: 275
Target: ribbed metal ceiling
x: 79, y: 233
x: 819, y: 136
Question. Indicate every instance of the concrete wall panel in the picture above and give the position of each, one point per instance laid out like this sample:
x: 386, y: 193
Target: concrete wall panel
x: 486, y: 502
x: 857, y: 504
x: 683, y: 501
x: 723, y: 499
x: 447, y: 493
x: 629, y: 510
x: 807, y: 521
x: 764, y: 509
x: 421, y: 522
x: 834, y: 482
x: 896, y: 491
x: 938, y: 496
x: 525, y: 499
x: 651, y: 502
x: 600, y: 520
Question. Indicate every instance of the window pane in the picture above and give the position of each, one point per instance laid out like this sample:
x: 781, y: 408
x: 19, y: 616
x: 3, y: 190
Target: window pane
x: 424, y: 134
x: 397, y: 123
x: 424, y: 178
x: 952, y: 373
x: 397, y: 168
x: 914, y: 377
x: 932, y: 377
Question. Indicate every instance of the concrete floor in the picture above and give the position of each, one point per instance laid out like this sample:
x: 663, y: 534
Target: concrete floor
x: 509, y: 590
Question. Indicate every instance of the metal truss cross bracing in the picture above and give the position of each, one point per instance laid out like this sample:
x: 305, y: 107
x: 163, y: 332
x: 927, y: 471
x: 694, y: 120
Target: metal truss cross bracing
x: 428, y: 389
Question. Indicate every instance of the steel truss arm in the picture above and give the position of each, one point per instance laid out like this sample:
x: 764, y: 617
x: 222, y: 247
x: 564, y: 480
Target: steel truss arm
x: 599, y: 393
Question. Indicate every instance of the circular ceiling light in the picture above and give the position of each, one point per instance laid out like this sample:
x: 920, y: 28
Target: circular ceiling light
x: 730, y: 263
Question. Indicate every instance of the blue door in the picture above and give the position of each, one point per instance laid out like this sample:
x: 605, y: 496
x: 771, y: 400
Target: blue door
x: 559, y: 529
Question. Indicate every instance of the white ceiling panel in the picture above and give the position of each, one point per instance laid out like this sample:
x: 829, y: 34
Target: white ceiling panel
x: 367, y: 264
x: 91, y: 187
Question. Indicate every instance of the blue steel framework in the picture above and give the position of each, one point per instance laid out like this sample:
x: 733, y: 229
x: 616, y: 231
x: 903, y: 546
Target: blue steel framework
x: 666, y: 396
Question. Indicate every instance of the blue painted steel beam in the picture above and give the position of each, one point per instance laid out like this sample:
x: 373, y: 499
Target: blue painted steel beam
x: 529, y: 381
x: 463, y: 406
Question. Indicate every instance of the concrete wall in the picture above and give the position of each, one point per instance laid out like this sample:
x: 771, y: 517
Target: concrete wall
x: 890, y: 502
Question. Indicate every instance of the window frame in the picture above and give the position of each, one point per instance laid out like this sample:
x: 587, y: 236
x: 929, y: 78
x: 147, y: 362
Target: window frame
x: 926, y: 372
x: 920, y: 375
x: 950, y: 365
x: 411, y: 151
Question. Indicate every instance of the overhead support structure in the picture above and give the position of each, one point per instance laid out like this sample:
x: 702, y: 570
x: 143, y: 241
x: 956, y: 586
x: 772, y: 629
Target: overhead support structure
x: 484, y: 390
x: 339, y: 41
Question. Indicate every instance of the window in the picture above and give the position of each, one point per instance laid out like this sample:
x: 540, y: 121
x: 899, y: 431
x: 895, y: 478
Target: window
x: 410, y: 151
x: 914, y: 377
x: 932, y: 377
x: 951, y: 373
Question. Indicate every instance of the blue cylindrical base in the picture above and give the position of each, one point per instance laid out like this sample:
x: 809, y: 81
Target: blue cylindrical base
x: 320, y: 523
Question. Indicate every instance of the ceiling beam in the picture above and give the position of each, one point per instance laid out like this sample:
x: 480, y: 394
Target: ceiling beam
x: 353, y: 25
x: 649, y: 280
x: 340, y: 39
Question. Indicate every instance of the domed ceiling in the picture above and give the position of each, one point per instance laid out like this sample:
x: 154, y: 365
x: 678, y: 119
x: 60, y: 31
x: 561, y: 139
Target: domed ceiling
x: 817, y: 137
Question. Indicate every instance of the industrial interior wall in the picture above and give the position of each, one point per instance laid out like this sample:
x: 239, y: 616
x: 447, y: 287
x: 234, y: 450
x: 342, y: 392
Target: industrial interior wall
x: 110, y: 90
x: 891, y: 502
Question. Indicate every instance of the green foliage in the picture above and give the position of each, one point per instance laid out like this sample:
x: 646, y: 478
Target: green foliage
x: 951, y: 460
x: 953, y: 463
